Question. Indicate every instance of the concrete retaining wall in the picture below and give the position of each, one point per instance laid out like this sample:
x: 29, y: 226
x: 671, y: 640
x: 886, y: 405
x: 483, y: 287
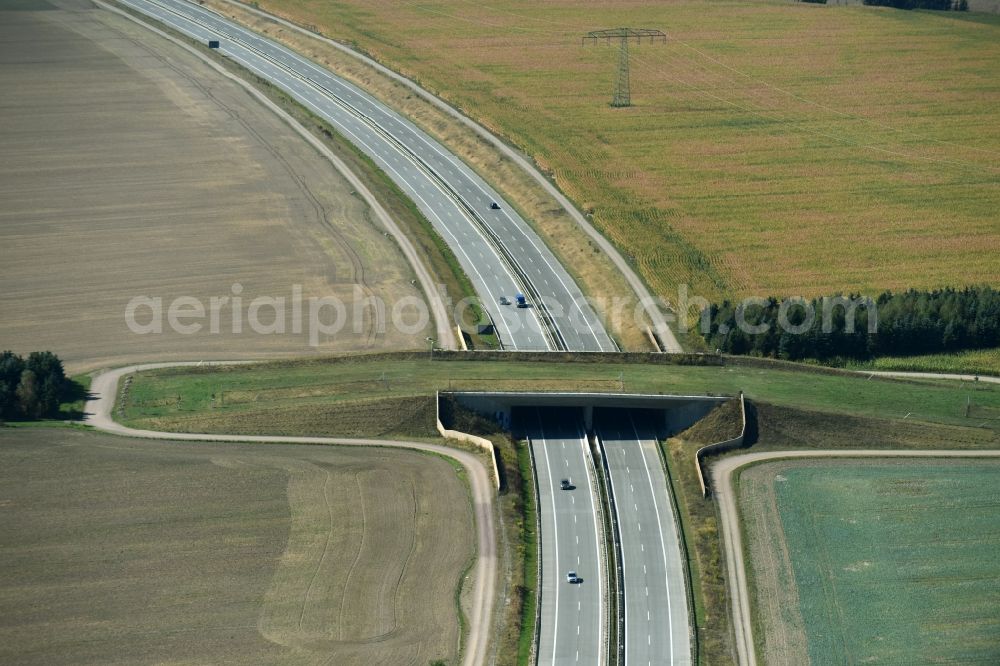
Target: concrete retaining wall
x: 481, y: 442
x: 718, y: 447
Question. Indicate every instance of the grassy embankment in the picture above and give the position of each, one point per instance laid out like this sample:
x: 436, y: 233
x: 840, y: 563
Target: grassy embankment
x: 519, y: 535
x: 699, y: 529
x: 735, y: 156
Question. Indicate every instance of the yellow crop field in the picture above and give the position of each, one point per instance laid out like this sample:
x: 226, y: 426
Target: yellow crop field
x: 781, y: 148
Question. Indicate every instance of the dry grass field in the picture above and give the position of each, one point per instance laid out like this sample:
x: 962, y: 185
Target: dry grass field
x: 772, y: 147
x: 980, y: 361
x: 119, y: 551
x: 874, y: 562
x: 130, y: 168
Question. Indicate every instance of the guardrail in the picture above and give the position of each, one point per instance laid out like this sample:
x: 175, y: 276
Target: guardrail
x: 617, y: 609
x: 636, y: 284
x: 538, y: 559
x: 550, y: 329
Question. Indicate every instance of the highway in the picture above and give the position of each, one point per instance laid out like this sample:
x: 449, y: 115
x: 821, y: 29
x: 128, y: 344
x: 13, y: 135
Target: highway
x: 655, y: 605
x: 497, y: 249
x: 572, y: 621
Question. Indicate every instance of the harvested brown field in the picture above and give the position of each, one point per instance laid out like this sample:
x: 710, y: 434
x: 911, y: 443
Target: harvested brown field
x: 132, y: 169
x: 120, y: 551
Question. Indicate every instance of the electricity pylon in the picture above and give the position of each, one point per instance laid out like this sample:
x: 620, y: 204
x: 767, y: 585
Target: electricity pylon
x: 623, y: 96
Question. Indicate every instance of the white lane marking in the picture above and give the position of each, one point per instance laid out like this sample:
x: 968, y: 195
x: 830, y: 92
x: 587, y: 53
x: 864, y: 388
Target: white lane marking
x: 363, y: 142
x: 387, y: 119
x: 520, y: 229
x: 555, y: 532
x: 663, y: 545
x: 268, y: 56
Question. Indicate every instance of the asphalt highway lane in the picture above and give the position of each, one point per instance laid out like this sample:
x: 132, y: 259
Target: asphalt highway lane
x: 572, y: 614
x: 497, y: 249
x: 656, y: 610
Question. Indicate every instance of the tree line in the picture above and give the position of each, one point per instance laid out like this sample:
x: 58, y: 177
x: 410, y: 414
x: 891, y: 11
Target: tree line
x: 31, y: 388
x: 836, y: 328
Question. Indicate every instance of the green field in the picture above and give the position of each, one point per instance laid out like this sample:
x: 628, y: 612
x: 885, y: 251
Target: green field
x: 122, y: 551
x: 773, y: 147
x: 272, y: 397
x: 875, y: 562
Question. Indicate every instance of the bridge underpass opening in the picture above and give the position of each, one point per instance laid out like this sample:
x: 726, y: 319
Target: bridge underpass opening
x: 515, y: 412
x: 648, y: 422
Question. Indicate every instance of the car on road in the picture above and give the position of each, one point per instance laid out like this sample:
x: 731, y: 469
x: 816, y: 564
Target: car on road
x: 495, y: 206
x: 503, y: 300
x: 572, y: 578
x: 566, y: 484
